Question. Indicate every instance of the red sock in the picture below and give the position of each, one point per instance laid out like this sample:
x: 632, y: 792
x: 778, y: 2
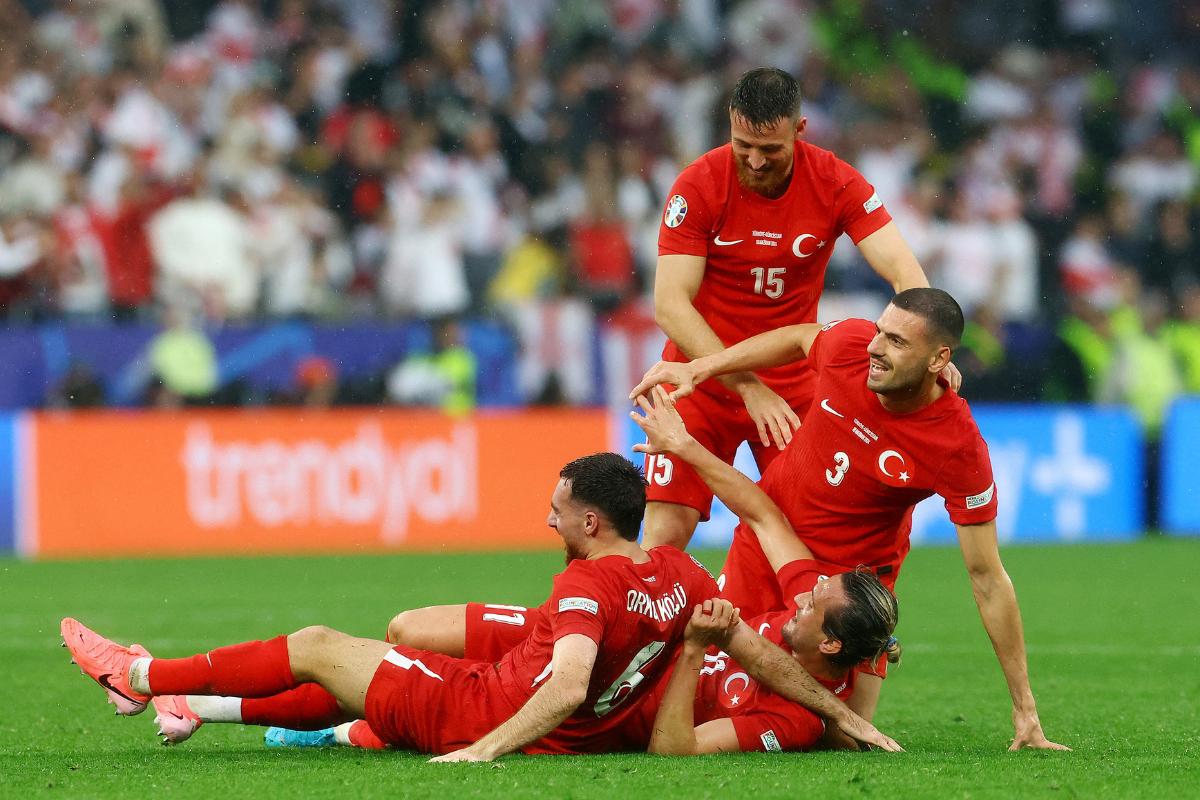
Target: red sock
x: 308, y: 707
x: 362, y: 736
x: 249, y: 669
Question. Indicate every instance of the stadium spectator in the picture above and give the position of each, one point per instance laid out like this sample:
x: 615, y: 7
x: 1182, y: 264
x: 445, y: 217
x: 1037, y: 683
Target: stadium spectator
x: 442, y: 378
x: 183, y: 363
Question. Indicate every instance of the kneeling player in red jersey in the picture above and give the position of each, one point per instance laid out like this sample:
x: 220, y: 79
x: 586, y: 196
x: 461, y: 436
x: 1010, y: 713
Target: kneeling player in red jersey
x: 884, y: 434
x: 570, y: 687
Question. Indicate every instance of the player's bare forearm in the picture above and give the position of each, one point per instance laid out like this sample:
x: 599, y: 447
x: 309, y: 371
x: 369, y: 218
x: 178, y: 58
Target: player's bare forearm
x: 1001, y: 615
x: 550, y: 705
x: 690, y: 332
x: 770, y: 349
x: 675, y: 724
x: 750, y: 503
x: 554, y: 701
x: 772, y: 667
x: 892, y: 259
x: 997, y: 603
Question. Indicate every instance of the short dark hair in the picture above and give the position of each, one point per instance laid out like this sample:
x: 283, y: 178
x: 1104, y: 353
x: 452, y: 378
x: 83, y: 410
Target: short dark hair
x: 865, y: 622
x: 941, y: 312
x: 764, y: 95
x: 612, y: 485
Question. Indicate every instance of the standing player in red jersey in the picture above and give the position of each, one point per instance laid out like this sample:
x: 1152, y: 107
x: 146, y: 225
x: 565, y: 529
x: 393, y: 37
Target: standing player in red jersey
x: 745, y: 238
x: 613, y: 619
x: 885, y: 434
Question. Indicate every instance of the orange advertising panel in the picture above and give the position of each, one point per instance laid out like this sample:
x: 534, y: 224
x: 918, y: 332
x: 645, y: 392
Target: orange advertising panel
x: 113, y: 483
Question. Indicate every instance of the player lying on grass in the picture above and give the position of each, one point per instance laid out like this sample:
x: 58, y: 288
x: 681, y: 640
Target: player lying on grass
x: 570, y: 687
x: 885, y: 434
x: 828, y: 627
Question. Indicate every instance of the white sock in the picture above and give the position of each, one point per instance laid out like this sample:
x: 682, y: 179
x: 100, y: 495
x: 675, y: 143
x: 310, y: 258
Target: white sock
x: 215, y: 709
x: 341, y: 733
x: 139, y: 675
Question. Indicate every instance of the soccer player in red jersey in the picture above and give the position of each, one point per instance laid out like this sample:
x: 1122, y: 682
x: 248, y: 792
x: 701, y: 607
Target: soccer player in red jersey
x: 885, y: 434
x: 745, y: 237
x: 613, y: 619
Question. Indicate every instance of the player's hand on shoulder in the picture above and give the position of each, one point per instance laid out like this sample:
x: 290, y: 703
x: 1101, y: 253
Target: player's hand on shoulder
x: 713, y: 623
x: 1028, y: 735
x: 664, y: 428
x: 774, y: 418
x: 681, y: 376
x: 953, y: 376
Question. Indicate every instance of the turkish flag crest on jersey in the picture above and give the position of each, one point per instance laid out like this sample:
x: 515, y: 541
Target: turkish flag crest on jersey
x: 894, y: 468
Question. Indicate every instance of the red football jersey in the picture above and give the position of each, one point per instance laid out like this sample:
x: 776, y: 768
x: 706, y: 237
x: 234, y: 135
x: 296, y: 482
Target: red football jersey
x: 765, y: 259
x: 851, y: 476
x: 636, y: 613
x: 763, y: 720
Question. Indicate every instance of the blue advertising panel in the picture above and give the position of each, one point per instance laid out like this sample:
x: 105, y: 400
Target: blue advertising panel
x: 8, y: 483
x: 1180, y: 496
x: 1063, y: 473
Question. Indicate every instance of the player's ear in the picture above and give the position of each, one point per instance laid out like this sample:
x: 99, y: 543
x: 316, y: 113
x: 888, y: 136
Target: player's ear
x: 940, y: 359
x: 801, y: 124
x: 591, y: 522
x: 830, y: 647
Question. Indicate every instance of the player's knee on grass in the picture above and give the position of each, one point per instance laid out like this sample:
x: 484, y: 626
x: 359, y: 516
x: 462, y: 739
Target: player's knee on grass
x: 400, y: 627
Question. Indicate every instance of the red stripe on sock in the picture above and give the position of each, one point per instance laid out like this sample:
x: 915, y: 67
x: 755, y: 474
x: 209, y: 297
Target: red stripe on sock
x: 308, y: 707
x: 249, y: 669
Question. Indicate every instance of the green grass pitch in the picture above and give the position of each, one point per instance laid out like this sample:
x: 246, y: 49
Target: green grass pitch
x: 1113, y: 632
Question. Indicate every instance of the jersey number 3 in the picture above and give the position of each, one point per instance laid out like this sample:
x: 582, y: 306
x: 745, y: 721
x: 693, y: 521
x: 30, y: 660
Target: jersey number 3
x: 768, y: 281
x: 841, y: 465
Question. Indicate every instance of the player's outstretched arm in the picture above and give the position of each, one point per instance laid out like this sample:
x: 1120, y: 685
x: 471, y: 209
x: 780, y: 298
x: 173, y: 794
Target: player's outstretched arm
x: 997, y: 602
x: 556, y: 699
x: 770, y: 349
x: 675, y: 731
x: 665, y: 432
x: 774, y: 668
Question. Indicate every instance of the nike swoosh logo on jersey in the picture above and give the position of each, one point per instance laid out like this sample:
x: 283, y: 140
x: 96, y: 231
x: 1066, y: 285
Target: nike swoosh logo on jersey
x: 825, y: 405
x: 103, y: 681
x: 717, y: 240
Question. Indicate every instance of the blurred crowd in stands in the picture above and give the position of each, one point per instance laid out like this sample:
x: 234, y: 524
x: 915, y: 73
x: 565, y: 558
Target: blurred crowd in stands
x: 217, y: 163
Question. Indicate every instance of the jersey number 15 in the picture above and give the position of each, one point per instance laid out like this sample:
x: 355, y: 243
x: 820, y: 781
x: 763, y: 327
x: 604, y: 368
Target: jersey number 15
x: 768, y: 281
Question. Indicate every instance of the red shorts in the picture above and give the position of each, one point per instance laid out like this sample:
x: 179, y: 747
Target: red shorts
x: 748, y: 581
x: 720, y: 424
x: 433, y: 703
x: 492, y: 629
